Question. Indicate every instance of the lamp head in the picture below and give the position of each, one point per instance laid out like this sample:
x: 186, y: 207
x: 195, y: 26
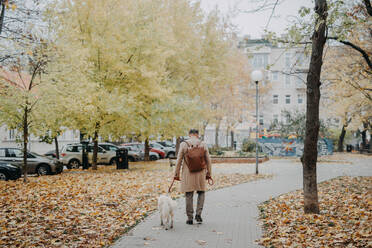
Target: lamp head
x: 256, y: 75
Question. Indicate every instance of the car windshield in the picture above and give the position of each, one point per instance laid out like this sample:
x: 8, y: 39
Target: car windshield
x: 111, y: 147
x: 35, y: 154
x: 156, y: 145
x: 168, y: 143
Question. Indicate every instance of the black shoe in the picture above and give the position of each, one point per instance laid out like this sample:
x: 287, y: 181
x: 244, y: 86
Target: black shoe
x: 189, y: 222
x: 198, y: 218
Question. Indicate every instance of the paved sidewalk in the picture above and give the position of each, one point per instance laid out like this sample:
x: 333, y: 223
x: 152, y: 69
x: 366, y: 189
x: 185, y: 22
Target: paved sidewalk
x: 230, y: 214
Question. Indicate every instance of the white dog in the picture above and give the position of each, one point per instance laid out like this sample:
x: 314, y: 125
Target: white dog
x: 166, y: 206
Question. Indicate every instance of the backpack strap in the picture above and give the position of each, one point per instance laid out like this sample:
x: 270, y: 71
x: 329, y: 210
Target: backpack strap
x: 188, y: 145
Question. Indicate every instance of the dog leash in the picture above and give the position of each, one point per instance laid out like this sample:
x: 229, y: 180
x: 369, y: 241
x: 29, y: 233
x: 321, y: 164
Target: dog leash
x: 170, y: 187
x: 210, y: 181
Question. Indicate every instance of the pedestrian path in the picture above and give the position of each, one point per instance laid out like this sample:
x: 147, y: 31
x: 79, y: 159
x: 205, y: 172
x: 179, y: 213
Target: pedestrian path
x: 230, y: 214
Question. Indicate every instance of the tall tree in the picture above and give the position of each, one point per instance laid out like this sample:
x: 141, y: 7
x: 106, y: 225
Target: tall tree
x: 20, y: 99
x: 310, y: 155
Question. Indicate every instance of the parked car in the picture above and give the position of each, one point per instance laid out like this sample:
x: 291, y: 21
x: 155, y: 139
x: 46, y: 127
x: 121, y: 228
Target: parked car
x: 9, y: 172
x: 71, y: 154
x: 140, y: 148
x: 36, y: 164
x: 170, y: 152
x: 161, y: 153
x: 133, y: 156
x: 166, y: 143
x: 51, y: 154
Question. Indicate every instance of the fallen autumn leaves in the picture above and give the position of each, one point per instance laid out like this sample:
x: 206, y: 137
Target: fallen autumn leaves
x: 85, y: 209
x: 345, y: 219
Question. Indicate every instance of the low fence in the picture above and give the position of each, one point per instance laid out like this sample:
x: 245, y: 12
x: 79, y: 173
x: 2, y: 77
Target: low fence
x: 237, y: 160
x: 292, y: 147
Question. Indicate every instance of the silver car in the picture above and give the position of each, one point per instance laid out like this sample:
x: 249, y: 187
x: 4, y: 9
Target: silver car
x: 139, y: 148
x: 36, y: 164
x: 170, y: 152
x: 71, y: 155
x: 133, y: 156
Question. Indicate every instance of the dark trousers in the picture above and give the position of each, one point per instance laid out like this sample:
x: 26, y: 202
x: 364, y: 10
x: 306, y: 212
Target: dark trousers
x: 190, y: 201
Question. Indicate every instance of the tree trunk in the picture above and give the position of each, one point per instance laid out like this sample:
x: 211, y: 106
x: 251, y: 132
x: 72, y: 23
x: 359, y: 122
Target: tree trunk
x: 216, y: 134
x: 178, y: 143
x: 227, y: 136
x: 310, y: 155
x: 370, y: 141
x: 205, y: 124
x: 341, y: 140
x: 57, y: 148
x: 95, y: 150
x: 2, y: 15
x: 147, y: 150
x: 25, y: 143
x: 364, y: 135
x: 232, y: 139
x: 81, y: 136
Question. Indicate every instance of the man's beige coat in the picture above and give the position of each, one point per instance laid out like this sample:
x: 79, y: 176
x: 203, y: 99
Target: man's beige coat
x: 195, y: 181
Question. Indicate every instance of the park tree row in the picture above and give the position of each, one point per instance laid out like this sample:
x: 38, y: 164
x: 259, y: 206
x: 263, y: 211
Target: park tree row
x: 118, y: 68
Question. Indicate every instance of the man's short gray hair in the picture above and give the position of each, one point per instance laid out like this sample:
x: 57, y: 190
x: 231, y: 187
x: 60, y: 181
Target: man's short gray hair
x: 194, y: 131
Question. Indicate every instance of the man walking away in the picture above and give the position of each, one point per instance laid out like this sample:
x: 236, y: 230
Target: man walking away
x: 193, y: 157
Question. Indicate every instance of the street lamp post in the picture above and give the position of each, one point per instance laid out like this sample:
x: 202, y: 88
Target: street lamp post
x: 256, y: 77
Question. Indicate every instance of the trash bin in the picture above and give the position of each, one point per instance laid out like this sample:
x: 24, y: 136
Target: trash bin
x: 122, y: 159
x: 349, y: 148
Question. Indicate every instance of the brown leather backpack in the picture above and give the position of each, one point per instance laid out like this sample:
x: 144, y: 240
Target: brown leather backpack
x: 195, y: 157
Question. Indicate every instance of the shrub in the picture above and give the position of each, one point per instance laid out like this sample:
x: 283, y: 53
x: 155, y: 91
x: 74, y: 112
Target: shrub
x: 216, y: 151
x: 248, y: 145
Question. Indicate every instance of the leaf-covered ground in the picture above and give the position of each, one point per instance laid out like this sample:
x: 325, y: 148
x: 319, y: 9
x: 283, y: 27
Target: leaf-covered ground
x: 344, y: 221
x: 86, y: 209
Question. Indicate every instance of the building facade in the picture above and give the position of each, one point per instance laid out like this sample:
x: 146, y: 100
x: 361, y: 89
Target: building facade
x: 12, y: 138
x: 285, y: 71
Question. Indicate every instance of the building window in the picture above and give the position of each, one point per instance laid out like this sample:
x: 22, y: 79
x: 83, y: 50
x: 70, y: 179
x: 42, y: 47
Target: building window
x: 300, y: 99
x: 275, y: 99
x: 287, y: 99
x: 275, y: 75
x: 287, y: 80
x: 260, y: 60
x: 11, y: 134
x: 287, y: 59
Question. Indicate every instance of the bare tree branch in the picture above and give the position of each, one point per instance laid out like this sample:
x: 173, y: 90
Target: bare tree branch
x: 348, y: 43
x: 272, y: 13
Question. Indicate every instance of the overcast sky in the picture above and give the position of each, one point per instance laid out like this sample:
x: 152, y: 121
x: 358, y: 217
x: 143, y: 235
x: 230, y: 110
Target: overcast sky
x: 253, y: 24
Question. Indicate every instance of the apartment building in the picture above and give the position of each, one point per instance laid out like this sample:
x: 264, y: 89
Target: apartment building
x: 285, y: 71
